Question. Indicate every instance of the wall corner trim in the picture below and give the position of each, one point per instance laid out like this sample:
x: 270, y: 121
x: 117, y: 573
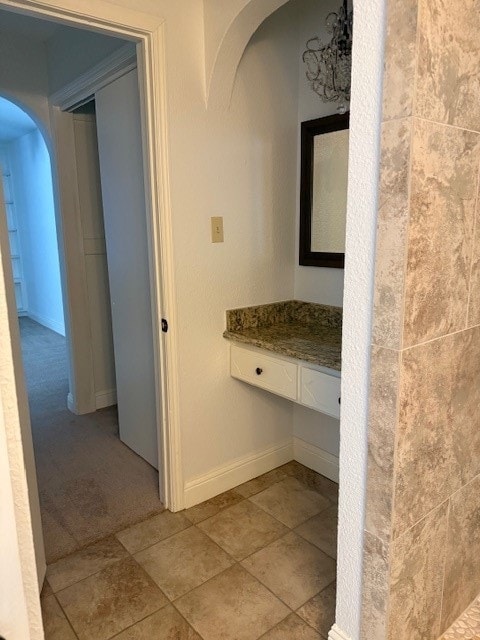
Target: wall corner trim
x: 237, y: 472
x: 82, y: 89
x: 336, y: 633
x: 317, y: 459
x: 71, y: 405
x: 105, y: 398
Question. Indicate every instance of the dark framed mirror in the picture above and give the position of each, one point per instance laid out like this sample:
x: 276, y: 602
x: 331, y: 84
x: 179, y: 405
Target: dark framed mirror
x: 323, y: 191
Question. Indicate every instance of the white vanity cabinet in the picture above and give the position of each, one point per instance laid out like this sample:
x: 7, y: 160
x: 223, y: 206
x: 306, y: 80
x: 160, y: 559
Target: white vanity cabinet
x: 313, y: 386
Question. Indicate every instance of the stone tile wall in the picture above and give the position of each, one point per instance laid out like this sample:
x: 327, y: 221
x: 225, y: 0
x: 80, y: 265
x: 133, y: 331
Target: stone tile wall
x: 422, y: 543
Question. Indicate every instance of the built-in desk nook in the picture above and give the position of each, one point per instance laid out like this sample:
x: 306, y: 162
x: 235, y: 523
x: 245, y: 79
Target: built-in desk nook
x: 290, y: 348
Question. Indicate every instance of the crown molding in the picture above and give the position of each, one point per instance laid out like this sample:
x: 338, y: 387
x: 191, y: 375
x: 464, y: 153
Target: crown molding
x: 83, y: 88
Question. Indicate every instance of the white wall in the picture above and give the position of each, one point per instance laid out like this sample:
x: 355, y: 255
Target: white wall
x: 24, y: 78
x: 314, y: 284
x: 13, y: 610
x: 364, y: 162
x: 34, y: 205
x: 91, y: 216
x: 22, y: 566
x: 246, y: 172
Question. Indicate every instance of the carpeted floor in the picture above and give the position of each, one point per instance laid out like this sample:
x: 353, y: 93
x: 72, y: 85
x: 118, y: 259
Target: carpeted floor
x: 91, y: 484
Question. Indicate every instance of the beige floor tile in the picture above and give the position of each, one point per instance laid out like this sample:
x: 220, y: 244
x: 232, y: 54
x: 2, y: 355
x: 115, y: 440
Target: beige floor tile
x: 84, y: 563
x: 55, y: 623
x: 145, y: 534
x: 312, y: 479
x: 110, y: 601
x: 292, y: 568
x: 243, y: 529
x: 291, y: 502
x: 292, y: 628
x: 183, y: 561
x: 256, y: 485
x: 319, y: 612
x: 166, y: 624
x: 321, y: 531
x: 213, y: 506
x: 232, y: 606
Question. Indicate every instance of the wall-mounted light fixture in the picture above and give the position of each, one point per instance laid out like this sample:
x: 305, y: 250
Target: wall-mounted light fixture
x: 329, y: 66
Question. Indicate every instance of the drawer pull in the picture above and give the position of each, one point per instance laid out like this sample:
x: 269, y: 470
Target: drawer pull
x: 258, y: 371
x: 339, y: 401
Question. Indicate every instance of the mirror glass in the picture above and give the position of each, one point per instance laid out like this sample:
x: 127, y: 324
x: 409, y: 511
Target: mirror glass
x: 323, y: 191
x: 329, y: 192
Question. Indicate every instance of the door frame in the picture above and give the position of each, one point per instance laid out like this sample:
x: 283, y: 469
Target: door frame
x: 149, y: 34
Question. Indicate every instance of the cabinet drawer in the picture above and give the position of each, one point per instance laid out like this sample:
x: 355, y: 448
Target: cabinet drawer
x: 263, y: 371
x: 320, y: 391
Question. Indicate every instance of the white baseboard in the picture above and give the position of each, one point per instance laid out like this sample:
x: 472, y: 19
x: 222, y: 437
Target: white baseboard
x: 235, y: 473
x: 58, y: 327
x: 336, y: 633
x: 105, y: 398
x: 315, y: 458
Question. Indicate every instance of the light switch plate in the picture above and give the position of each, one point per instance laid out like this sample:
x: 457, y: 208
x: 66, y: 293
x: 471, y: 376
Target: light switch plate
x: 217, y: 229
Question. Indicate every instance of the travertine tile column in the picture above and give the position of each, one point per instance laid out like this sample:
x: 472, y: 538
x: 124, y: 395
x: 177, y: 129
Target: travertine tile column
x: 422, y: 538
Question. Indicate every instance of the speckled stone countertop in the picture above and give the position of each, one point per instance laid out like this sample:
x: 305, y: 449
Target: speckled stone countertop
x: 301, y: 330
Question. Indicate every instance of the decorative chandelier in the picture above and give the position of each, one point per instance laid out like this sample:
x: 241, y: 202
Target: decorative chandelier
x: 329, y: 65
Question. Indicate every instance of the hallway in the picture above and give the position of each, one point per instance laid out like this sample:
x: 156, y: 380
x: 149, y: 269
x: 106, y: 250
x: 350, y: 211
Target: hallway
x: 91, y: 485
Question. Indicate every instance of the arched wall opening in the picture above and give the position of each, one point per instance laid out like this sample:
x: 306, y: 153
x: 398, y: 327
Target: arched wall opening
x: 228, y: 33
x: 30, y: 210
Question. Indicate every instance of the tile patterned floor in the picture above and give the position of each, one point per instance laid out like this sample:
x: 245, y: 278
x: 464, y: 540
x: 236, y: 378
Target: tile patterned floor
x: 467, y: 627
x: 255, y: 562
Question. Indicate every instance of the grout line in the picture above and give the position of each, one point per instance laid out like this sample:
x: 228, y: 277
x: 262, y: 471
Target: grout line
x: 134, y: 553
x: 406, y: 247
x: 139, y: 621
x: 187, y: 622
x: 473, y: 246
x: 414, y: 104
x: 436, y: 338
x: 424, y: 517
x: 112, y: 534
x: 445, y: 124
x: 449, y: 497
x: 276, y: 596
x: 66, y: 617
x: 442, y: 596
x: 110, y: 564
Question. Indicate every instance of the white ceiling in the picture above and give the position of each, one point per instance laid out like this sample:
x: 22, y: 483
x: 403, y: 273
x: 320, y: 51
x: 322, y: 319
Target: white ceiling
x: 21, y: 25
x: 13, y: 122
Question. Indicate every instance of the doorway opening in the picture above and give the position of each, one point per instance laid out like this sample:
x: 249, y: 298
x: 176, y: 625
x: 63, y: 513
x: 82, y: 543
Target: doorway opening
x: 96, y: 465
x: 90, y: 483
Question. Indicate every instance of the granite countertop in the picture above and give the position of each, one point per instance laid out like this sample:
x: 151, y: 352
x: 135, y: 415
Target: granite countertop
x: 301, y: 330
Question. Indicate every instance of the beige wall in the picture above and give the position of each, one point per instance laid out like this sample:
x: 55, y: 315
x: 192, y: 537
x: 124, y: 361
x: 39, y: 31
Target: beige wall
x: 422, y: 541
